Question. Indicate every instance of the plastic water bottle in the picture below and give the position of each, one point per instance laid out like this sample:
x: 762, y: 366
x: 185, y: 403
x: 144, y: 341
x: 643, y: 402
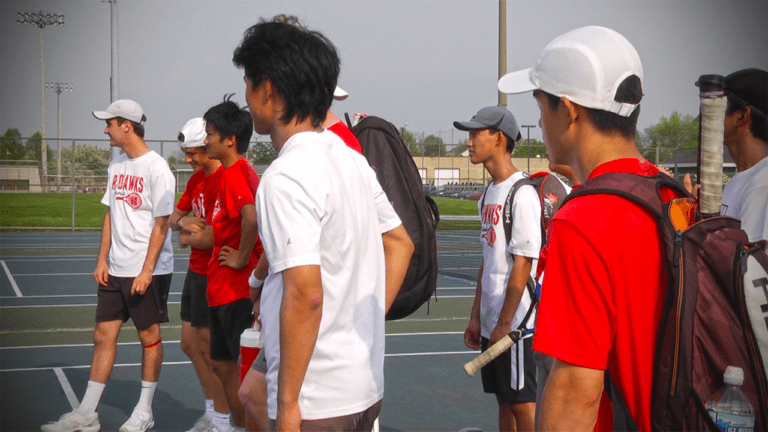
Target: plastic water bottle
x: 729, y: 407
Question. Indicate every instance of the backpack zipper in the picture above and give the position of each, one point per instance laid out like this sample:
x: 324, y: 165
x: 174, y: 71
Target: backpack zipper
x: 678, y: 318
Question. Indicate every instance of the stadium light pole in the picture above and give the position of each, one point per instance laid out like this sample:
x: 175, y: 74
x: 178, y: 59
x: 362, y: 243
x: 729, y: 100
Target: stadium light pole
x: 114, y: 151
x: 58, y: 88
x: 41, y: 20
x: 528, y: 144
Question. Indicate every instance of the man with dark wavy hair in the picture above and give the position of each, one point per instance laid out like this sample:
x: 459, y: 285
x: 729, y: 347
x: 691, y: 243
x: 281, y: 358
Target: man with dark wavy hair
x: 337, y: 250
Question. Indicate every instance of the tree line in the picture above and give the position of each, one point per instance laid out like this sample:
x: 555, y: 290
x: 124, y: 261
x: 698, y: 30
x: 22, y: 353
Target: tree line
x: 657, y: 143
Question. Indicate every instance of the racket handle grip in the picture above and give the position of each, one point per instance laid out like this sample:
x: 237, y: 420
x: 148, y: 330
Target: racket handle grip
x: 488, y: 355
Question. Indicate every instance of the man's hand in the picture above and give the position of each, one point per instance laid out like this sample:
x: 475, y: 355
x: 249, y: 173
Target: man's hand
x: 498, y: 333
x: 229, y: 256
x: 472, y: 334
x: 288, y: 417
x: 101, y: 274
x: 193, y: 224
x: 689, y: 186
x: 140, y: 283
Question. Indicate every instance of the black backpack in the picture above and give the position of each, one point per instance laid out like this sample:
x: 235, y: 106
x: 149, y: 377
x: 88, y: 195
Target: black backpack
x: 399, y: 178
x: 705, y: 324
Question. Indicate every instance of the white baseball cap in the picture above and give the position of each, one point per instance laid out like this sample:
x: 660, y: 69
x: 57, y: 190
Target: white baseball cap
x: 193, y: 133
x: 339, y: 94
x: 585, y: 65
x: 124, y: 108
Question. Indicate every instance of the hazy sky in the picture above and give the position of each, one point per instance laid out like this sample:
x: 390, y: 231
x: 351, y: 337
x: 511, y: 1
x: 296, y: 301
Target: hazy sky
x: 424, y: 62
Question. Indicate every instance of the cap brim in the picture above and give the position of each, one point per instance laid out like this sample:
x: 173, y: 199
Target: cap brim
x: 469, y: 125
x: 339, y: 94
x: 517, y: 82
x: 103, y: 115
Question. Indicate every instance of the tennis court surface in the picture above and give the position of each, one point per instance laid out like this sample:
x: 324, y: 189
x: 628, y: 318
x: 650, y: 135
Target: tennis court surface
x: 47, y: 304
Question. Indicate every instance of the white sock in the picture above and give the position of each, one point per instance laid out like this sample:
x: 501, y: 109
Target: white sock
x: 209, y: 409
x: 147, y: 394
x: 92, y: 397
x: 221, y: 421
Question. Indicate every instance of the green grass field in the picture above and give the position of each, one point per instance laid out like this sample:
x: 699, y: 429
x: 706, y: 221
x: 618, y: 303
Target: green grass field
x: 53, y: 210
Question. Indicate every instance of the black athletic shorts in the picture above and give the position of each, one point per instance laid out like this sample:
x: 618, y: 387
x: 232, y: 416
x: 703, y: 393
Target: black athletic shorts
x: 497, y: 375
x: 227, y: 324
x: 115, y: 301
x: 194, y: 300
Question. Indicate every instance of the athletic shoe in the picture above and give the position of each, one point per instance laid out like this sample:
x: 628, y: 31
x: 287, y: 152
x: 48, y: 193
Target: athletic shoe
x: 74, y: 421
x: 203, y: 424
x: 140, y: 421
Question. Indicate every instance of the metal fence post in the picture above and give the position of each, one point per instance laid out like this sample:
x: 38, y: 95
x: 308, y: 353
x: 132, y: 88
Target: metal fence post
x: 73, y: 185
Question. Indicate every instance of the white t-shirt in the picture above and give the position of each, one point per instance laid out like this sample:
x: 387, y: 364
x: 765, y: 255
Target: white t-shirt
x: 319, y: 203
x: 138, y: 191
x: 745, y: 197
x: 497, y: 255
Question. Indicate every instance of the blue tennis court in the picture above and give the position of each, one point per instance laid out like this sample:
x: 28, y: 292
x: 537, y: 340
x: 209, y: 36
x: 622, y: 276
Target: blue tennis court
x: 47, y: 303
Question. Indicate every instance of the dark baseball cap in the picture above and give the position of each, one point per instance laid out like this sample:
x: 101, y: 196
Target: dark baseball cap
x: 750, y: 85
x: 493, y: 117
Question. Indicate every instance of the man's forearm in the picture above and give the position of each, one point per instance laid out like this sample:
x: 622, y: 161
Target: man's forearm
x: 398, y: 249
x: 300, y: 315
x: 156, y: 240
x: 106, y: 238
x: 518, y: 279
x: 249, y: 230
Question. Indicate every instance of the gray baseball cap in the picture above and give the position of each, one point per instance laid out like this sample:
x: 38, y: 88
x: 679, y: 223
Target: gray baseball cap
x: 493, y: 117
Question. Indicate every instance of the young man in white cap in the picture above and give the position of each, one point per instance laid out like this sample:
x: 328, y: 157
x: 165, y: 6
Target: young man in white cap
x: 133, y: 268
x: 196, y: 231
x: 604, y: 281
x: 501, y: 299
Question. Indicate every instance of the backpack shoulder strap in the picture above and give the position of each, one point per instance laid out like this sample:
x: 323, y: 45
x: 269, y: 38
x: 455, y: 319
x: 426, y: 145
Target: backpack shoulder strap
x: 507, y: 214
x: 642, y: 190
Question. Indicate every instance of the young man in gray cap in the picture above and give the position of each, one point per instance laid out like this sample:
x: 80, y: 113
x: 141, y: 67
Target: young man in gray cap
x: 600, y: 301
x: 501, y: 298
x: 746, y: 135
x: 196, y: 231
x: 133, y: 268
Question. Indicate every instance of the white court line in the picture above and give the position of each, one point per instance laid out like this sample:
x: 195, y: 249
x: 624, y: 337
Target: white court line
x: 32, y: 369
x: 13, y: 281
x: 69, y: 295
x: 70, y: 274
x: 64, y: 305
x: 67, y: 388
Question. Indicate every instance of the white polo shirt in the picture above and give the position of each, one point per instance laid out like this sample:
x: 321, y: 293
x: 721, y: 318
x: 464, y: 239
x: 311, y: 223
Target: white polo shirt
x: 319, y: 203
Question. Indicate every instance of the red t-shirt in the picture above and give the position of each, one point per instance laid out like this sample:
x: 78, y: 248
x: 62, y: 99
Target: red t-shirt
x: 603, y: 290
x: 199, y: 197
x: 346, y: 135
x: 238, y: 188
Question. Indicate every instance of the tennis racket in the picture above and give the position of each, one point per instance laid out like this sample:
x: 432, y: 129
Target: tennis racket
x: 493, y: 351
x: 711, y: 134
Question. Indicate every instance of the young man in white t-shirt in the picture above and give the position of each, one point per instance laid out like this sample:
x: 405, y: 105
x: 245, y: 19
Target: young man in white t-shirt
x: 133, y: 268
x: 501, y: 299
x: 337, y: 251
x: 746, y: 135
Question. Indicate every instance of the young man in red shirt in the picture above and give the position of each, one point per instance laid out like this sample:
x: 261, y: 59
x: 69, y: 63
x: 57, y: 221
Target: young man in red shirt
x: 236, y: 248
x: 199, y: 195
x: 604, y: 281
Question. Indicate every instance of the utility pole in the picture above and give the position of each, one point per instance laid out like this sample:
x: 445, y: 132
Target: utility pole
x: 41, y: 20
x: 502, y: 47
x: 528, y: 144
x: 58, y: 88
